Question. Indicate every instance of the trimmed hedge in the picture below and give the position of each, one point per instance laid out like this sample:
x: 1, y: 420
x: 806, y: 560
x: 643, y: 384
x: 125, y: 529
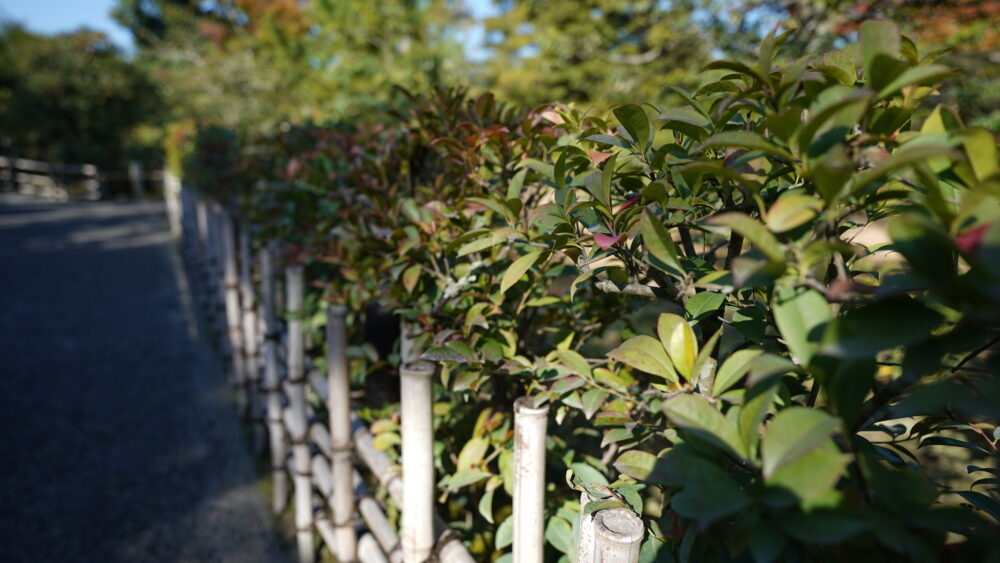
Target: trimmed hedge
x: 751, y: 313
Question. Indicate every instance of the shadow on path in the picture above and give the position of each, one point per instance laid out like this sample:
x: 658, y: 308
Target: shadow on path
x: 117, y: 437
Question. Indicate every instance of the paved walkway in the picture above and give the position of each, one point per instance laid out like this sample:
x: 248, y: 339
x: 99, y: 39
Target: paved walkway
x: 118, y: 441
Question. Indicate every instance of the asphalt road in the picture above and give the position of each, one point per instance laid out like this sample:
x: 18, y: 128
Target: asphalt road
x: 118, y: 438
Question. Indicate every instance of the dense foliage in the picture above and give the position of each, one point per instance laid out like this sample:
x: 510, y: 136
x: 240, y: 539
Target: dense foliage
x: 70, y: 97
x: 765, y: 318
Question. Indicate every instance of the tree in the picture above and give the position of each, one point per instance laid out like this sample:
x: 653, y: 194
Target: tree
x: 967, y: 28
x: 599, y: 51
x: 70, y: 97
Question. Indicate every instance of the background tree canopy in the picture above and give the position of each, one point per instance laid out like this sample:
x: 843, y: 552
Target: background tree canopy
x: 253, y: 65
x: 70, y: 97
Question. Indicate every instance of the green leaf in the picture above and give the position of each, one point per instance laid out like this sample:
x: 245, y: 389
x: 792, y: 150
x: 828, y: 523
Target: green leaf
x: 732, y: 370
x: 607, y: 140
x: 575, y: 362
x: 589, y: 475
x: 607, y: 176
x: 558, y: 533
x: 878, y: 37
x: 492, y: 239
x: 946, y: 441
x: 925, y: 74
x: 634, y: 119
x: 707, y: 493
x: 744, y: 140
x: 696, y: 415
x: 636, y: 464
x: 385, y: 441
x: 703, y: 304
x: 506, y: 464
x: 821, y: 528
x: 514, y: 192
x: 472, y: 453
x: 927, y: 247
x: 494, y: 206
x: 411, y: 276
x: 647, y: 354
x: 757, y: 402
x: 679, y: 341
x: 592, y: 401
x: 792, y: 433
x: 755, y: 232
x: 443, y: 354
x: 802, y: 315
x: 518, y: 269
x: 812, y: 477
x: 597, y: 505
x: 907, y: 155
x: 486, y: 505
x: 985, y: 503
x: 466, y: 477
x: 661, y: 248
x: 792, y: 211
x: 631, y: 495
x: 886, y: 324
x: 766, y: 543
x: 505, y: 533
x: 982, y: 152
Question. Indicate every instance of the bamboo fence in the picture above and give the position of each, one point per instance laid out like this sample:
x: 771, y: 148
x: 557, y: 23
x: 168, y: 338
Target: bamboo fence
x: 265, y: 345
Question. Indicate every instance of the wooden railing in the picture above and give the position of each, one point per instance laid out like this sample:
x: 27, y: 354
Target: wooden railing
x: 61, y: 182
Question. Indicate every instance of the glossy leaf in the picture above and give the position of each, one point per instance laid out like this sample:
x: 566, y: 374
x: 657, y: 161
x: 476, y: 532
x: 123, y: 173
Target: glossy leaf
x: 518, y: 269
x: 679, y: 342
x: 802, y: 315
x: 697, y: 415
x: 647, y: 354
x: 735, y: 367
x: 793, y: 432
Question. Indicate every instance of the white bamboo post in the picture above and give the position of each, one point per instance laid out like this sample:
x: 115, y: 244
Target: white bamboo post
x: 272, y: 383
x: 201, y: 221
x: 407, y: 332
x: 585, y: 531
x: 295, y: 287
x: 135, y: 178
x: 450, y: 547
x: 251, y: 353
x: 339, y: 411
x: 529, y: 480
x: 172, y: 201
x: 216, y: 283
x: 618, y: 534
x: 234, y: 321
x: 417, y: 431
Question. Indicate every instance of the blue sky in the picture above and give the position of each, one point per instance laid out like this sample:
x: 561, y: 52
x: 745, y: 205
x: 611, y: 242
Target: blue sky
x: 54, y: 16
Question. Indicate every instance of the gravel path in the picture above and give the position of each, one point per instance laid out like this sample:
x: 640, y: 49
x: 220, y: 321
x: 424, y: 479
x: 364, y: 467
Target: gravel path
x: 118, y: 440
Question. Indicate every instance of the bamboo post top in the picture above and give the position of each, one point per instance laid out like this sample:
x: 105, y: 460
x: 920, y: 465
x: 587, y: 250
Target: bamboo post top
x: 526, y: 406
x: 619, y: 525
x: 417, y: 368
x: 619, y: 533
x: 337, y: 310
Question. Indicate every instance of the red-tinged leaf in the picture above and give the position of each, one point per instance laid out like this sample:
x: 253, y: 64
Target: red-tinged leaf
x: 566, y: 384
x: 598, y: 157
x: 611, y: 418
x: 606, y: 241
x: 630, y: 203
x: 968, y: 241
